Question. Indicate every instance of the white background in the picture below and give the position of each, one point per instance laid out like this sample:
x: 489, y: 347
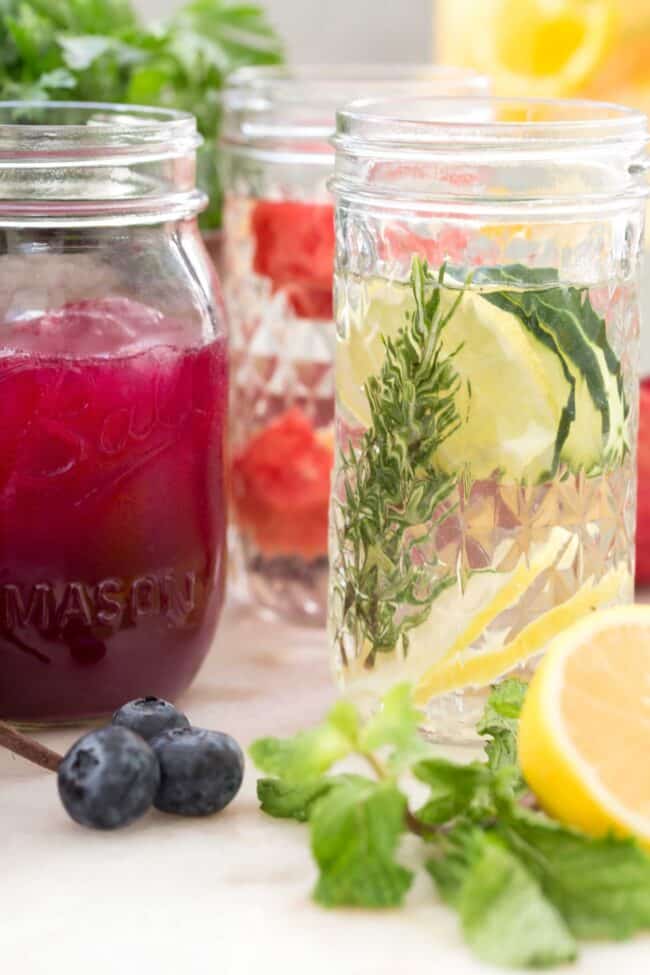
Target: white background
x: 331, y: 31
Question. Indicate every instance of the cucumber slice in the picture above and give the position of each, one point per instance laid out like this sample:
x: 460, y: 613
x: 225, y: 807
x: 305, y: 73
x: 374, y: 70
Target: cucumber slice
x: 598, y: 438
x: 516, y: 399
x: 540, y: 381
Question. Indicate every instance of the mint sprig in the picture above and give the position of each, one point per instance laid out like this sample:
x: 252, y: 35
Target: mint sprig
x: 524, y: 886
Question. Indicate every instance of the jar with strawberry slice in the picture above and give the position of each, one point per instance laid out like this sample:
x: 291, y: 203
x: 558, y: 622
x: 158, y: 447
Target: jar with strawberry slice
x: 278, y: 270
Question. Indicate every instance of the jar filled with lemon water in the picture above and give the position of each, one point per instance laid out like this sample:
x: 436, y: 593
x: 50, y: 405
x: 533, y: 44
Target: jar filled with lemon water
x: 487, y: 309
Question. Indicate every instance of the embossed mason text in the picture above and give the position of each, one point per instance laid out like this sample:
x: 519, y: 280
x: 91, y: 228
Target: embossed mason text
x: 112, y: 602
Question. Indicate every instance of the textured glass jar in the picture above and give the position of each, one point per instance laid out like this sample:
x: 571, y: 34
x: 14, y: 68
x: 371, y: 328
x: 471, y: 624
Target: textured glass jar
x: 487, y: 316
x: 113, y: 393
x: 279, y: 253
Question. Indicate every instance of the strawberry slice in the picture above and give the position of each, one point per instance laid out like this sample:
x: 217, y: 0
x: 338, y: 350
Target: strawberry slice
x: 399, y: 241
x: 294, y: 248
x: 280, y: 487
x: 643, y: 497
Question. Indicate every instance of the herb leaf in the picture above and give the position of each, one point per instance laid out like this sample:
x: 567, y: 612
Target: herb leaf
x: 455, y: 789
x: 396, y: 724
x: 391, y: 489
x: 505, y: 916
x: 355, y: 830
x: 601, y: 886
x: 286, y: 800
x: 499, y: 723
x: 309, y: 754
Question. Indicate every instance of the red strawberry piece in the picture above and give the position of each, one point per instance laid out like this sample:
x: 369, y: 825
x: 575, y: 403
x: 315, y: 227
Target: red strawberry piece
x: 449, y: 245
x: 294, y: 248
x: 280, y: 487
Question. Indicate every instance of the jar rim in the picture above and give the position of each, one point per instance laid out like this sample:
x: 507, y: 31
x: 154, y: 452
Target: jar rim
x: 270, y: 103
x: 282, y: 77
x: 424, y: 122
x: 74, y: 163
x: 501, y: 156
x: 47, y: 131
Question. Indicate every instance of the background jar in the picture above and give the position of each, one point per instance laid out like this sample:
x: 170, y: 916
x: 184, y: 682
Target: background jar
x: 519, y: 515
x: 113, y: 390
x: 279, y: 247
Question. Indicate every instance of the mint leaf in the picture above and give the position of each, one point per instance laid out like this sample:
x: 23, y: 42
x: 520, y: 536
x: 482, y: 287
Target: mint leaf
x: 601, y: 886
x: 286, y: 800
x: 396, y: 724
x: 455, y: 789
x: 505, y: 917
x: 499, y: 723
x: 309, y: 754
x: 345, y: 718
x: 355, y: 830
x: 458, y: 851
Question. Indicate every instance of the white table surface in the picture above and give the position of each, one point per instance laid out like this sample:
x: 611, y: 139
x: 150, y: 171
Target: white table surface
x: 227, y: 895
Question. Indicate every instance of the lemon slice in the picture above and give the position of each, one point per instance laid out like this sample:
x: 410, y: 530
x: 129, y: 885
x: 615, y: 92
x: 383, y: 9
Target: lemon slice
x: 543, y: 48
x: 584, y: 734
x: 513, y: 387
x: 512, y: 396
x: 478, y: 668
x: 380, y: 310
x: 456, y: 620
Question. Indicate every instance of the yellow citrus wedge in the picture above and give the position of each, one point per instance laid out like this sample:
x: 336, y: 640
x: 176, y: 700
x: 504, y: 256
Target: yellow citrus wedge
x: 544, y: 47
x: 456, y: 621
x: 584, y: 734
x: 477, y: 668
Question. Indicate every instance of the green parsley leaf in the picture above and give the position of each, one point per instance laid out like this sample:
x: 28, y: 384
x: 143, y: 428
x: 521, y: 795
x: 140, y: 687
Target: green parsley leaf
x: 307, y: 755
x: 601, y: 886
x: 499, y: 723
x: 355, y: 830
x: 505, y: 917
x: 286, y: 800
x: 97, y: 50
x: 455, y: 790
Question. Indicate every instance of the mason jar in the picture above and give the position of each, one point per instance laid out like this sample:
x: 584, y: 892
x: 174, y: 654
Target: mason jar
x: 279, y: 251
x: 113, y: 396
x: 487, y: 322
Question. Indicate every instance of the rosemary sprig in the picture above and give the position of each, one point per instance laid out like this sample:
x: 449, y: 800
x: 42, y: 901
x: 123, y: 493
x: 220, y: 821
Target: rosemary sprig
x: 393, y: 495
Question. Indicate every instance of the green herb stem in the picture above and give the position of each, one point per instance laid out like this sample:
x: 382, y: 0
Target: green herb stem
x: 393, y: 495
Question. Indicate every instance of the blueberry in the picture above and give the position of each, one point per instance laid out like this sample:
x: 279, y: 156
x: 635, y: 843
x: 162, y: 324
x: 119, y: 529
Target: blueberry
x: 108, y: 778
x: 200, y: 771
x: 149, y: 716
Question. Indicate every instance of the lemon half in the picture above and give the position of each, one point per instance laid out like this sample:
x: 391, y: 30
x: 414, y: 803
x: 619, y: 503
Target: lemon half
x: 584, y: 734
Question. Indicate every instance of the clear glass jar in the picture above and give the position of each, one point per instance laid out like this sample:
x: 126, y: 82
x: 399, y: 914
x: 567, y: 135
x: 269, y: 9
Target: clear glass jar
x: 279, y: 251
x: 487, y: 307
x: 113, y: 395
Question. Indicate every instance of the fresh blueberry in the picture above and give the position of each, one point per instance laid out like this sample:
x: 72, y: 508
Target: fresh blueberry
x: 200, y: 771
x: 149, y: 716
x: 108, y: 778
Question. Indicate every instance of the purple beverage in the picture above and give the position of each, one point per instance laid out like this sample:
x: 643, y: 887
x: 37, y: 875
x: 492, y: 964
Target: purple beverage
x: 112, y: 514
